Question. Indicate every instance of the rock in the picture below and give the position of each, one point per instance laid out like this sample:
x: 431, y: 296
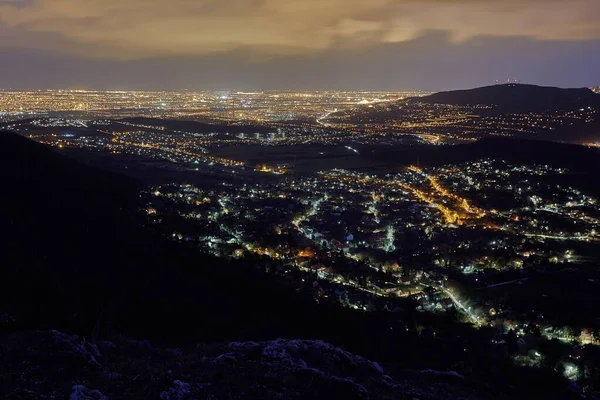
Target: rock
x: 228, y: 357
x: 105, y: 345
x: 80, y: 392
x: 179, y: 391
x: 452, y: 374
x: 78, y: 346
x: 347, y: 389
x: 44, y: 365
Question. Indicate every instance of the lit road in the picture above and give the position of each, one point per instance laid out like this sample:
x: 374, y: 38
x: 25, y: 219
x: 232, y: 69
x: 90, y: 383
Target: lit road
x: 324, y: 117
x: 311, y: 212
x: 389, y: 239
x: 586, y: 238
x: 471, y: 316
x: 459, y: 305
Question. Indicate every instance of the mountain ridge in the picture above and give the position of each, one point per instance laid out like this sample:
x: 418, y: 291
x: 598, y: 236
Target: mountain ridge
x: 519, y: 98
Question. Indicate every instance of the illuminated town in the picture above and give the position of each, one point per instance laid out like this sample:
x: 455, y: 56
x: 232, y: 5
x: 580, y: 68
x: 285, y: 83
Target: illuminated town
x: 392, y: 237
x: 221, y: 120
x: 216, y: 106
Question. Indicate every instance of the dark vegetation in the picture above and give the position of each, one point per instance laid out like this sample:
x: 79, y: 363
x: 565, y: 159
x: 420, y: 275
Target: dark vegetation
x: 77, y: 256
x: 579, y: 159
x: 583, y: 161
x: 197, y: 126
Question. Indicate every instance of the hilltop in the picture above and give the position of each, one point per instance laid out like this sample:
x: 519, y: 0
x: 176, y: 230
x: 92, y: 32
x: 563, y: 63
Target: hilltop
x: 78, y: 255
x: 510, y: 110
x: 515, y: 98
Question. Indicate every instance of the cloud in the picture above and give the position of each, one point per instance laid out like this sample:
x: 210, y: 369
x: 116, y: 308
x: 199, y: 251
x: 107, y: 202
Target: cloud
x: 137, y: 29
x: 430, y: 62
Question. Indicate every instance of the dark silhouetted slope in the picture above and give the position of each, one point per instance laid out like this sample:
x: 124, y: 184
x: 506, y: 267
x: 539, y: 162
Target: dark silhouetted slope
x: 515, y: 98
x: 76, y: 254
x: 78, y: 257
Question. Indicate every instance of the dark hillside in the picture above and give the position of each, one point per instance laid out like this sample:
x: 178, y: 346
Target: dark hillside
x: 575, y: 157
x: 196, y: 126
x: 516, y: 98
x: 78, y: 257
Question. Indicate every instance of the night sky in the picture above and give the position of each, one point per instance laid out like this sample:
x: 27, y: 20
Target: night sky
x: 297, y: 44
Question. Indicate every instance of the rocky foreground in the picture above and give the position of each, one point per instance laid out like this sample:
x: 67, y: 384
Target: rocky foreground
x: 54, y: 365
